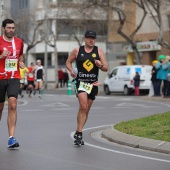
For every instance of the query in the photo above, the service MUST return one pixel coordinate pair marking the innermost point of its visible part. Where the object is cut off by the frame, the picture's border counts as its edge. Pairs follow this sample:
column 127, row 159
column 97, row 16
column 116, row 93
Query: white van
column 121, row 79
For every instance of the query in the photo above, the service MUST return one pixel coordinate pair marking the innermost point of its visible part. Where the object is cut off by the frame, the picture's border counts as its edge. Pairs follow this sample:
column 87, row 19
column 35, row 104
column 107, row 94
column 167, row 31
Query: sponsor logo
column 88, row 65
column 93, row 55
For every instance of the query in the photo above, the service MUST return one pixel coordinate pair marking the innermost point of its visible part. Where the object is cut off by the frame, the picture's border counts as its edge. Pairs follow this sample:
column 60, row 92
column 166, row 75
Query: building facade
column 147, row 35
column 60, row 21
column 65, row 22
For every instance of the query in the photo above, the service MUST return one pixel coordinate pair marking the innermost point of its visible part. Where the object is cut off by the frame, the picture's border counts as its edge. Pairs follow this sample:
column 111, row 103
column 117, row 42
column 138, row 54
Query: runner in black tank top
column 89, row 59
column 87, row 70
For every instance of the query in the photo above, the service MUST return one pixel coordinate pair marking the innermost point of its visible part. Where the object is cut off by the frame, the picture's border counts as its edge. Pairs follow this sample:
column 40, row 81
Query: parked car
column 121, row 79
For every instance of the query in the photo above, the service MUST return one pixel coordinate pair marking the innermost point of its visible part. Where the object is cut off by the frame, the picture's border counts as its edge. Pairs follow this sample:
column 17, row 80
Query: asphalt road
column 45, row 126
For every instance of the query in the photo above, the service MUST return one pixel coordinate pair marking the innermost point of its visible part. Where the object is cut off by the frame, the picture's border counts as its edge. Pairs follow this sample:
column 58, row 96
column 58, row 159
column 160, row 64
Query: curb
column 116, row 136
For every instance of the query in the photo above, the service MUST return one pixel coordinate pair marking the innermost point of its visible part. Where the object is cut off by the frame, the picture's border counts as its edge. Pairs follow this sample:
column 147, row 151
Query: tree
column 154, row 7
column 124, row 17
column 24, row 24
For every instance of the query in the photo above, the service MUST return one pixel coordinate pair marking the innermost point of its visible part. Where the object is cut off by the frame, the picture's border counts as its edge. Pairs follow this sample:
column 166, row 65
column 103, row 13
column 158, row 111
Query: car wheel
column 106, row 90
column 126, row 90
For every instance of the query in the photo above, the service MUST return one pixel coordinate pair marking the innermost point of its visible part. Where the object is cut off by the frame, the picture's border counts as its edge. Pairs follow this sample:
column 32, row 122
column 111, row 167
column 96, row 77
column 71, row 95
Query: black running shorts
column 93, row 93
column 31, row 83
column 10, row 87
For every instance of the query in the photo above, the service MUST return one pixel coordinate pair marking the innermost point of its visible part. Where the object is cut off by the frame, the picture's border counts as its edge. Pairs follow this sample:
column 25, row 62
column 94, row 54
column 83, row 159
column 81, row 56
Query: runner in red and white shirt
column 30, row 79
column 11, row 59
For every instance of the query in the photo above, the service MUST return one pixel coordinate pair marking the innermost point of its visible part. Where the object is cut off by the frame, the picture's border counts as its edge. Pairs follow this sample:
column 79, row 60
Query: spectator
column 154, row 80
column 137, row 83
column 161, row 74
column 60, row 77
column 66, row 78
column 166, row 67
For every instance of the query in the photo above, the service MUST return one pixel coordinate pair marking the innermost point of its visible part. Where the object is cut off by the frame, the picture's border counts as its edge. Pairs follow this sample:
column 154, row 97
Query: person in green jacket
column 162, row 74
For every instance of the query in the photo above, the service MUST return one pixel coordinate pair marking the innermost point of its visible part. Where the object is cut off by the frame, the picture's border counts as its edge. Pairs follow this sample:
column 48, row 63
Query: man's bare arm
column 70, row 60
column 102, row 63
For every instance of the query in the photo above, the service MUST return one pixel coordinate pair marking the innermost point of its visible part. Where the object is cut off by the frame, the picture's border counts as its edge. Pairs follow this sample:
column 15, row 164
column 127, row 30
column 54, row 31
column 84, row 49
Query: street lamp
column 1, row 12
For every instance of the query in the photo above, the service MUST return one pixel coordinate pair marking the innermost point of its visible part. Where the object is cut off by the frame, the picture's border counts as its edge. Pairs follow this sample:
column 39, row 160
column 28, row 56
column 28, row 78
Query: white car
column 121, row 79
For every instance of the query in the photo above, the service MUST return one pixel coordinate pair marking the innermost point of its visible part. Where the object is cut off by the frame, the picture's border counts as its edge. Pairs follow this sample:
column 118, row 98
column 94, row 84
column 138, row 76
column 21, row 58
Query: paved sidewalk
column 138, row 142
column 113, row 135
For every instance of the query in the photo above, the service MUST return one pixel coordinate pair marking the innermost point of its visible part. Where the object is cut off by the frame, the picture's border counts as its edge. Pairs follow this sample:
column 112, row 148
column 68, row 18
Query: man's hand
column 4, row 54
column 73, row 74
column 22, row 65
column 98, row 63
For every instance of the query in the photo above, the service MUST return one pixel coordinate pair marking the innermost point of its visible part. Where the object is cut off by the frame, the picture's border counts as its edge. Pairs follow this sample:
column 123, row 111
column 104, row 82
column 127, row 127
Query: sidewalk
column 113, row 135
column 116, row 136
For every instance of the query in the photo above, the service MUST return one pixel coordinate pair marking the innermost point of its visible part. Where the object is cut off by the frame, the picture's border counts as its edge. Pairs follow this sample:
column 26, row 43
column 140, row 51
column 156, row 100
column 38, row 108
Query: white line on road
column 115, row 151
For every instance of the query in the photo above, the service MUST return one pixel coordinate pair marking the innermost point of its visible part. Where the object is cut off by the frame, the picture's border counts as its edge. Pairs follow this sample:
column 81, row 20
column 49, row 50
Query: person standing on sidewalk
column 137, row 83
column 66, row 78
column 89, row 59
column 11, row 59
column 154, row 80
column 162, row 74
column 60, row 77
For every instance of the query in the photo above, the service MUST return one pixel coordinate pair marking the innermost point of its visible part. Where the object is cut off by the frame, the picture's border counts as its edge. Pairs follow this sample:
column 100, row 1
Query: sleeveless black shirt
column 87, row 70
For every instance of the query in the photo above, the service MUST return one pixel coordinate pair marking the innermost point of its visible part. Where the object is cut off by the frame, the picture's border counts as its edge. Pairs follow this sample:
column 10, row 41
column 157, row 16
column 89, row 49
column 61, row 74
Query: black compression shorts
column 10, row 87
column 93, row 93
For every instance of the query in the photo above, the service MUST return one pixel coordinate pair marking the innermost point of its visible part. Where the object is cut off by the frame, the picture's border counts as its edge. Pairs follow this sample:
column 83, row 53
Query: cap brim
column 90, row 36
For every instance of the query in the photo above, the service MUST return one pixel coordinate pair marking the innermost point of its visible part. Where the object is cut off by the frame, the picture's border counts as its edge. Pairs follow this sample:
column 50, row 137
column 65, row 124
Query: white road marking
column 58, row 104
column 62, row 109
column 133, row 105
column 23, row 103
column 33, row 110
column 115, row 151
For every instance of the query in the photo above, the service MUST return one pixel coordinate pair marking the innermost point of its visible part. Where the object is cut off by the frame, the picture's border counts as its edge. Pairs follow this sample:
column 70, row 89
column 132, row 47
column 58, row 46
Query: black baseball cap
column 90, row 34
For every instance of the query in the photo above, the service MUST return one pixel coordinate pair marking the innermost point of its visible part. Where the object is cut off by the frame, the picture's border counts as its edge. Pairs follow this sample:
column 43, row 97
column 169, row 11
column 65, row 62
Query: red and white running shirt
column 30, row 75
column 9, row 66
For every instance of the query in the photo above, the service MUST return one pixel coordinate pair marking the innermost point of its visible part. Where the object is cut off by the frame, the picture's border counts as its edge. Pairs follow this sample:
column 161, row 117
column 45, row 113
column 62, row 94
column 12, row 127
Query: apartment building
column 62, row 18
column 147, row 35
column 68, row 23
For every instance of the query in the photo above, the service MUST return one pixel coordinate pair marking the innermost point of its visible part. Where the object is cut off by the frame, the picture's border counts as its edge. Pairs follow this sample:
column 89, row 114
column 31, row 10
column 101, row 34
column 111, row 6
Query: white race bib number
column 87, row 87
column 11, row 64
column 30, row 75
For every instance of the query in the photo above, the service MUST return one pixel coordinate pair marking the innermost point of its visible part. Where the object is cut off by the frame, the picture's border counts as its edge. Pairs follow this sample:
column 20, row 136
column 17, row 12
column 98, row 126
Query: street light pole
column 1, row 12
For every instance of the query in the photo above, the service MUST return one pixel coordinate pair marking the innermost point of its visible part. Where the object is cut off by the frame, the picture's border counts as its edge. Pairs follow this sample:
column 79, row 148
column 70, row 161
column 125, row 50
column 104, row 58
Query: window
column 114, row 72
column 62, row 57
column 23, row 4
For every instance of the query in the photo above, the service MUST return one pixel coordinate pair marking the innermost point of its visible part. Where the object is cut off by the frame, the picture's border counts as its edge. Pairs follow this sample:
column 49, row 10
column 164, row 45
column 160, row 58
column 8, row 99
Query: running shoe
column 12, row 143
column 78, row 139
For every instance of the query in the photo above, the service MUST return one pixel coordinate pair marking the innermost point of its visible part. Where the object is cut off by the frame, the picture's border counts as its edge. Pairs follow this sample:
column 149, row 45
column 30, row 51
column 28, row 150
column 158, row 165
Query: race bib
column 30, row 75
column 87, row 87
column 11, row 64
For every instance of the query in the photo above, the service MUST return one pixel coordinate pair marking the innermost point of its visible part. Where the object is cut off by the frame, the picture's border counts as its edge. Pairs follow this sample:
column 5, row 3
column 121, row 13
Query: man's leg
column 82, row 113
column 36, row 87
column 12, row 93
column 82, row 116
column 40, row 88
column 1, row 109
column 12, row 115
